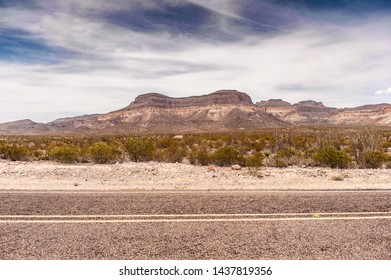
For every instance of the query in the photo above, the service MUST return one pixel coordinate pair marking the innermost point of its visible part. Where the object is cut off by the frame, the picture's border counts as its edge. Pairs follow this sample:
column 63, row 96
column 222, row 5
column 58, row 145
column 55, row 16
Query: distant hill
column 223, row 110
column 312, row 112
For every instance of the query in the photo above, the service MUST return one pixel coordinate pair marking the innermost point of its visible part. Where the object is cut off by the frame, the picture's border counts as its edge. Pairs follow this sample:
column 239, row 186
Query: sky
column 62, row 58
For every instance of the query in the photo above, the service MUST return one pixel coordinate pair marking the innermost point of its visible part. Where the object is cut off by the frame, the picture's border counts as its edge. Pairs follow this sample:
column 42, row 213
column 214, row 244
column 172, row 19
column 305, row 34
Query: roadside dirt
column 176, row 176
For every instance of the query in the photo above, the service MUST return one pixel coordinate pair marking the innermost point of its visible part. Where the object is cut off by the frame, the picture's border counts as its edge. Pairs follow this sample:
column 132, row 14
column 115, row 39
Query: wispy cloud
column 89, row 64
column 386, row 91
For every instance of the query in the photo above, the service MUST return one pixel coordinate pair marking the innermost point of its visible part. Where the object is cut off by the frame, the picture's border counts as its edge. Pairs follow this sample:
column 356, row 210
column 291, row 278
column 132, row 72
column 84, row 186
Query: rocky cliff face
column 273, row 103
column 312, row 112
column 368, row 115
column 220, row 111
column 304, row 112
column 221, row 97
column 309, row 104
column 223, row 110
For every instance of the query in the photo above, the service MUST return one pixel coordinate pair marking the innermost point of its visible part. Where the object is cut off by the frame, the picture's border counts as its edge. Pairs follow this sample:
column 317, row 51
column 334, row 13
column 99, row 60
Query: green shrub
column 64, row 154
column 139, row 149
column 337, row 178
column 39, row 154
column 2, row 149
column 174, row 153
column 285, row 157
column 330, row 156
column 255, row 160
column 373, row 158
column 200, row 156
column 165, row 142
column 101, row 153
column 16, row 153
column 286, row 152
column 84, row 154
column 226, row 156
column 204, row 157
column 170, row 149
column 280, row 163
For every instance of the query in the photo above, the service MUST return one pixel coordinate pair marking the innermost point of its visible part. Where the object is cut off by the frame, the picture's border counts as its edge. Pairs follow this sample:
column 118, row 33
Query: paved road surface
column 196, row 225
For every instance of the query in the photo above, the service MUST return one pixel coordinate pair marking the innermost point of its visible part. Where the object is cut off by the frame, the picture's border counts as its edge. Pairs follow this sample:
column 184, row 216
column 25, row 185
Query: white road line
column 195, row 220
column 130, row 191
column 196, row 215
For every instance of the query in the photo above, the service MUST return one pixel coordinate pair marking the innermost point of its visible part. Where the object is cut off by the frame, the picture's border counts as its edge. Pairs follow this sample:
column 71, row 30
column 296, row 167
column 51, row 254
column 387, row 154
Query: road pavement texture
column 196, row 225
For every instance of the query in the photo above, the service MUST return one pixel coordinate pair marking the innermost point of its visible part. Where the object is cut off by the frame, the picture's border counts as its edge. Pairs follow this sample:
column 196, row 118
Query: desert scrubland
column 284, row 158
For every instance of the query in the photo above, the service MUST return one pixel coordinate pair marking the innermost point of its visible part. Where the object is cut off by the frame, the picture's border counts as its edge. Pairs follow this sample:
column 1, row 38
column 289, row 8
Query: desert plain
column 46, row 175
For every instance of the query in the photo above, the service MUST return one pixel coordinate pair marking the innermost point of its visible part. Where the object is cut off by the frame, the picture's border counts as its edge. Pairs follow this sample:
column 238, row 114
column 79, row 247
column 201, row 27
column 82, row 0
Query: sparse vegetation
column 64, row 154
column 16, row 153
column 255, row 160
column 310, row 146
column 101, row 153
column 331, row 157
column 337, row 178
column 139, row 149
column 374, row 158
column 226, row 156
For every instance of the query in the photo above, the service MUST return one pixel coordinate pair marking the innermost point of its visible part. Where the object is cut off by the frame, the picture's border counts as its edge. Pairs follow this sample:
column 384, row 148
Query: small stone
column 211, row 168
column 236, row 167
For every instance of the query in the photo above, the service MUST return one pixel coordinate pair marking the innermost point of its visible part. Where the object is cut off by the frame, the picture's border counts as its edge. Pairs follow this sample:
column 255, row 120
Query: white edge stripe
column 197, row 220
column 195, row 215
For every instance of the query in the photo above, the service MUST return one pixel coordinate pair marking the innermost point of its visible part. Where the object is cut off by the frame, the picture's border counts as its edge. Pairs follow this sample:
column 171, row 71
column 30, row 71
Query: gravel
column 179, row 176
column 192, row 202
column 217, row 240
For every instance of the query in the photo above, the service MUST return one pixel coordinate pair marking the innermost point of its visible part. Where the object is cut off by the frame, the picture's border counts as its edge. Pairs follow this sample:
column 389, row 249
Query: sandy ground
column 175, row 176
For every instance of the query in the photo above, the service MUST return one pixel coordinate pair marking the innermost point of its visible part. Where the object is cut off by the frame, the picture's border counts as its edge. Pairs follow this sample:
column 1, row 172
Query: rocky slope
column 312, row 112
column 220, row 111
column 23, row 126
column 221, row 97
column 367, row 115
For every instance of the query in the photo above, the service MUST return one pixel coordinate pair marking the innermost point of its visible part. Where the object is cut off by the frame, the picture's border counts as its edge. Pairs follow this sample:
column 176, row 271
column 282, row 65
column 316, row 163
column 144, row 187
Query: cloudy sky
column 68, row 57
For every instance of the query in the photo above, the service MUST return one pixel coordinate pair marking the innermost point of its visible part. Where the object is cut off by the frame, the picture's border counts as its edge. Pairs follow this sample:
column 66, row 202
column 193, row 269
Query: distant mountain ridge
column 223, row 110
column 221, row 97
column 312, row 112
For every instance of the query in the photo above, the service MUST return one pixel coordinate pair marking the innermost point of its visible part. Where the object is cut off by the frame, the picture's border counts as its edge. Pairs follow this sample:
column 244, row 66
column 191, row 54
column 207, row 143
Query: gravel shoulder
column 178, row 176
column 283, row 240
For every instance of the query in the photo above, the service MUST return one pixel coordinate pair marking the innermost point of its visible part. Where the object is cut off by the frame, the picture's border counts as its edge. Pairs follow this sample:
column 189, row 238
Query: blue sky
column 67, row 57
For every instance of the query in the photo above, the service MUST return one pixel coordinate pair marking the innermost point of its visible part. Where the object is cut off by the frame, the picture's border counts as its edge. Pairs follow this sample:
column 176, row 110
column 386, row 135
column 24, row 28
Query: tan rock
column 211, row 168
column 236, row 167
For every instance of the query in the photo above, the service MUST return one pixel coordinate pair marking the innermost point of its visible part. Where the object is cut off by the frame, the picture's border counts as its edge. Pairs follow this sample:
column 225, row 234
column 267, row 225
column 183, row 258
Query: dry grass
column 280, row 147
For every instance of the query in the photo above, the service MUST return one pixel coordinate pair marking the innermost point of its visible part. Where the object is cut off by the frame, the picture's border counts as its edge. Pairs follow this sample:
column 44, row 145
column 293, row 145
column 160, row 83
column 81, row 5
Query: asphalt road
column 196, row 225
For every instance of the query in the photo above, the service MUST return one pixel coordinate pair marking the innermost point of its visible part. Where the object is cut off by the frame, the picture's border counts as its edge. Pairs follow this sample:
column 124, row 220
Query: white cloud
column 386, row 91
column 114, row 65
column 94, row 6
column 229, row 8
